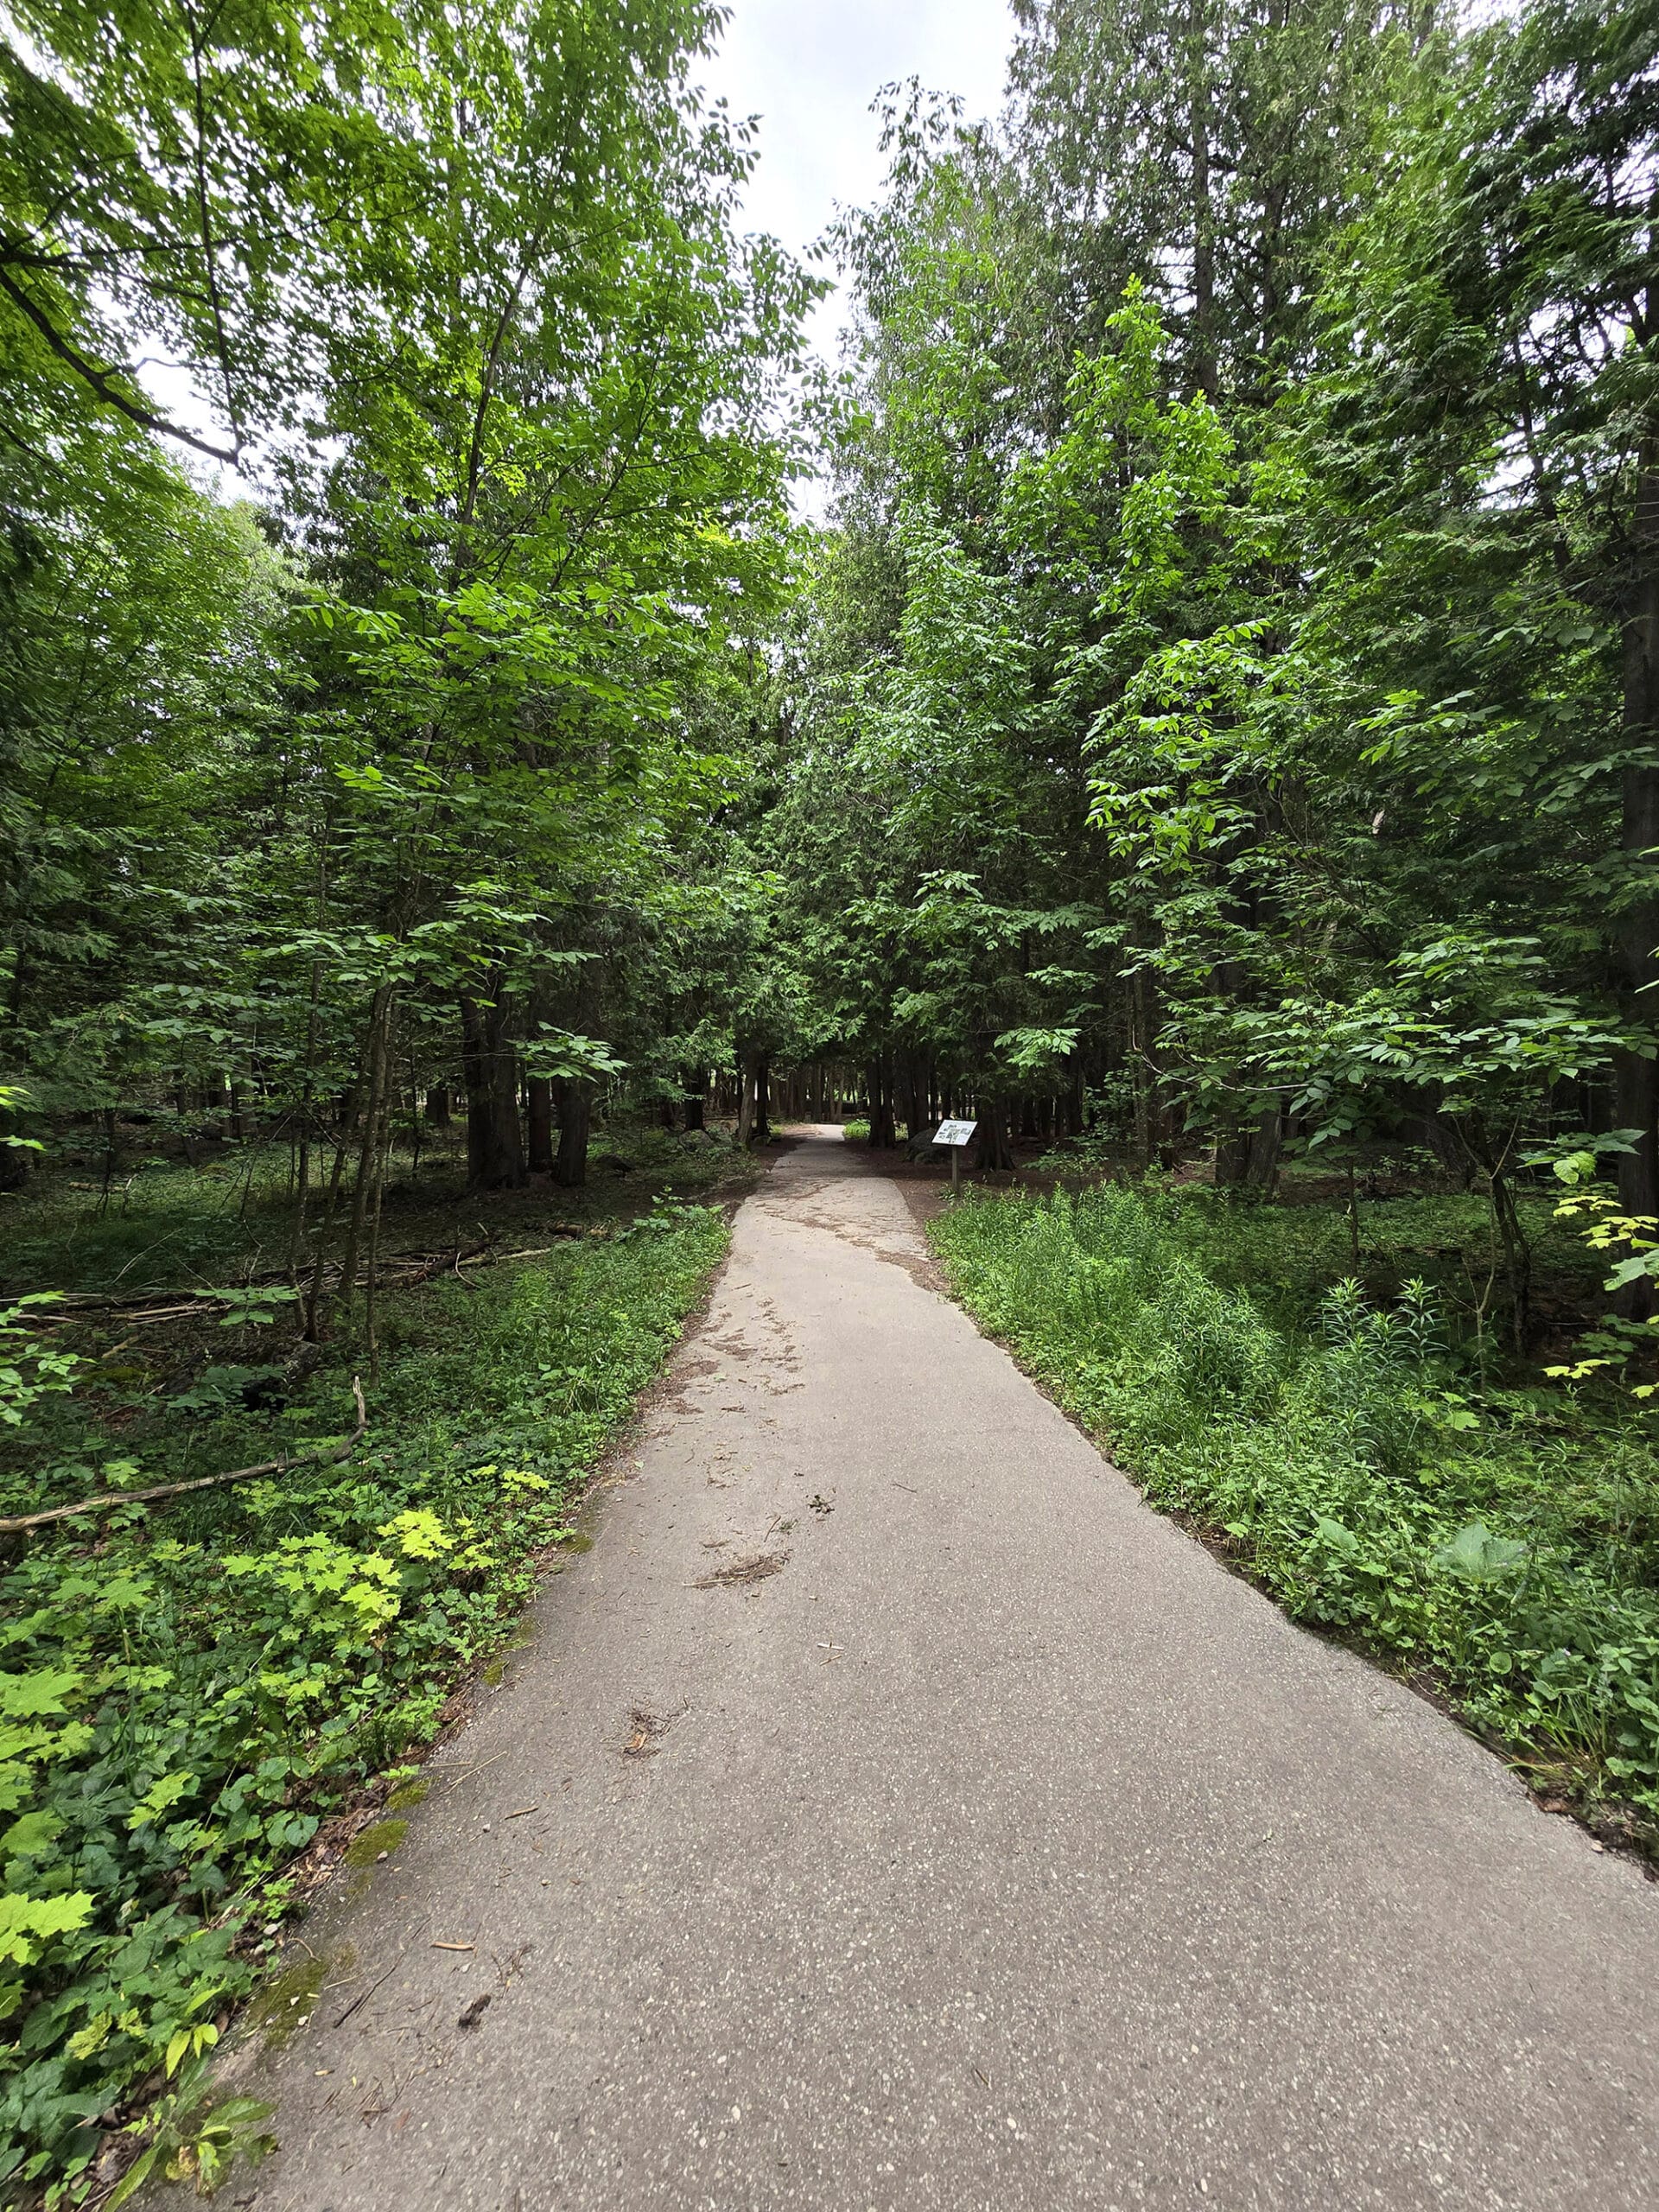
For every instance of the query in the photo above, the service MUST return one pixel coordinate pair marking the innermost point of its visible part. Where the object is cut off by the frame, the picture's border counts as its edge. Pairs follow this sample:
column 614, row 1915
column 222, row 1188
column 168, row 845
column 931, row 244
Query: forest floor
column 891, row 1808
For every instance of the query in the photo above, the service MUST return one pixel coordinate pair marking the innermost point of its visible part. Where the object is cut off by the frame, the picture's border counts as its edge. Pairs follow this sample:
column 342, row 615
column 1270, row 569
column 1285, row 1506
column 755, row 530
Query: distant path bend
column 985, row 1847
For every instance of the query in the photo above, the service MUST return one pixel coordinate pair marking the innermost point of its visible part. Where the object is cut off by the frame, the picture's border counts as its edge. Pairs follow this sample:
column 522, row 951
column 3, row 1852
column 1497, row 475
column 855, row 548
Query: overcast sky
column 810, row 68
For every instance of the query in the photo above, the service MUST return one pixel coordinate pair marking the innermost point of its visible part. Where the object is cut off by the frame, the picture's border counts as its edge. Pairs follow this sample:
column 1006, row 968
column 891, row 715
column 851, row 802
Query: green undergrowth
column 190, row 1689
column 1500, row 1543
column 161, row 1224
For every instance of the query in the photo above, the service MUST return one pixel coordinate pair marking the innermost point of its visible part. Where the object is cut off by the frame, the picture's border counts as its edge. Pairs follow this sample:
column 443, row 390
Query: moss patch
column 286, row 2004
column 365, row 1847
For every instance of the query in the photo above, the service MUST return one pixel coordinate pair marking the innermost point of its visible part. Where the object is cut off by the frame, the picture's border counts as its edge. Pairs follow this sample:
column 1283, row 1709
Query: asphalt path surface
column 891, row 1813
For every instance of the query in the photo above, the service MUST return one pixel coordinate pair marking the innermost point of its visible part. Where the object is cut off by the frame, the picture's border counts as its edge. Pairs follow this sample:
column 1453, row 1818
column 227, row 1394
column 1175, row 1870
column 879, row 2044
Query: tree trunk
column 376, row 1055
column 1250, row 1157
column 763, row 1103
column 882, row 1133
column 576, row 1118
column 1232, row 1158
column 915, row 1103
column 1636, row 1075
column 495, row 1152
column 1267, row 1147
column 538, row 1116
column 437, row 1106
column 747, row 1064
column 1517, row 1258
column 990, row 1139
column 697, row 1089
column 1203, row 222
column 1144, row 1052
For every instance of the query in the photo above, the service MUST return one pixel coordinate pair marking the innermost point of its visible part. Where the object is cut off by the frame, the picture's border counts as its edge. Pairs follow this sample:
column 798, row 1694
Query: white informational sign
column 955, row 1133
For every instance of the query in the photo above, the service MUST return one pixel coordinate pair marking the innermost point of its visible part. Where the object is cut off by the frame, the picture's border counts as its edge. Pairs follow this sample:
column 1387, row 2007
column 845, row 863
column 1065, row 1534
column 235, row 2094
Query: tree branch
column 101, row 380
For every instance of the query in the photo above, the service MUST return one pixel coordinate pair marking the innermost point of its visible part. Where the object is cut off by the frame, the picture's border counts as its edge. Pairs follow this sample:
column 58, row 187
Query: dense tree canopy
column 405, row 749
column 1221, row 707
column 1242, row 619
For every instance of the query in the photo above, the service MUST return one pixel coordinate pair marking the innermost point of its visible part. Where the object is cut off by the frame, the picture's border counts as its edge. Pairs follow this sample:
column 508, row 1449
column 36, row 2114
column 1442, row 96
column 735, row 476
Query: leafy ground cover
column 1497, row 1541
column 190, row 1690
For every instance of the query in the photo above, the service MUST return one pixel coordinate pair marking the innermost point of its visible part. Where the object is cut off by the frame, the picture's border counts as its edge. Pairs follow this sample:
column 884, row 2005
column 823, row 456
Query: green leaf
column 24, row 1919
column 30, row 1836
column 1478, row 1556
column 46, row 1690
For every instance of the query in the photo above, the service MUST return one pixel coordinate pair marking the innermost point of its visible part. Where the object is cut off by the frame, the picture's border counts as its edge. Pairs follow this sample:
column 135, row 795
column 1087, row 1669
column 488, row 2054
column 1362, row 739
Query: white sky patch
column 810, row 68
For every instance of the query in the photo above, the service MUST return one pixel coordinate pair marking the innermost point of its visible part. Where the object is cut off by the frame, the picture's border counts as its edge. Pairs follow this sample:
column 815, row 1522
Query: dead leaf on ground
column 645, row 1727
column 744, row 1571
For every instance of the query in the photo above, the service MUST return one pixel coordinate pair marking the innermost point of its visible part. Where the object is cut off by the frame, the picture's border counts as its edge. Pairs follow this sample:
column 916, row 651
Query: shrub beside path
column 892, row 1811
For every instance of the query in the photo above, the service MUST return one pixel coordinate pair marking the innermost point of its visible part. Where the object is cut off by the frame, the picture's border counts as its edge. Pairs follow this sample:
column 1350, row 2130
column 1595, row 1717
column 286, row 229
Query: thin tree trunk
column 1636, row 1075
column 303, row 1167
column 747, row 1065
column 350, row 1101
column 1203, row 232
column 763, row 1103
column 881, row 1131
column 414, row 1122
column 370, row 1289
column 368, row 1162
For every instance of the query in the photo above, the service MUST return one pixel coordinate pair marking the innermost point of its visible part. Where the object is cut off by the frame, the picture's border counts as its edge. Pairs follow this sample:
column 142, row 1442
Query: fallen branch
column 25, row 1521
column 404, row 1271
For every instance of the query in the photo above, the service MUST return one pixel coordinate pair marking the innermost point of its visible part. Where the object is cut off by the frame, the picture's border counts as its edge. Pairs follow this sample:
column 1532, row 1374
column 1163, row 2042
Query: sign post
column 955, row 1134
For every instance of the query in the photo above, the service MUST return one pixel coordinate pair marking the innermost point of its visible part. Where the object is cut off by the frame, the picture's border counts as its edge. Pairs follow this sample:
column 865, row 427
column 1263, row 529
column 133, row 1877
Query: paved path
column 999, row 1853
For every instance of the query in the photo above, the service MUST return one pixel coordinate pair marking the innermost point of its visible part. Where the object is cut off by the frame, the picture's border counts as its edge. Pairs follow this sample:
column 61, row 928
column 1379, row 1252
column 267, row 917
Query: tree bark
column 495, row 1153
column 990, row 1139
column 376, row 1058
column 1232, row 1158
column 539, row 1117
column 881, row 1131
column 575, row 1121
column 1249, row 1159
column 748, row 1064
column 763, row 1103
column 1203, row 222
column 1637, row 1073
column 1267, row 1149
